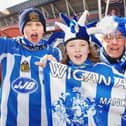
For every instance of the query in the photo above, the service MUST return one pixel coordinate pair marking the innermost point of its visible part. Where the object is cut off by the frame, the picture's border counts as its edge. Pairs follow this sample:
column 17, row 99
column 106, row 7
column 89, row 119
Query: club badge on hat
column 34, row 17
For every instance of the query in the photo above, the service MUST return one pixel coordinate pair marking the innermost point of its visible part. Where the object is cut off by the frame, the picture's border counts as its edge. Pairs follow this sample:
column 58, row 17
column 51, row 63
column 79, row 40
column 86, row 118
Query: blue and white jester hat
column 121, row 24
column 109, row 24
column 56, row 38
column 74, row 29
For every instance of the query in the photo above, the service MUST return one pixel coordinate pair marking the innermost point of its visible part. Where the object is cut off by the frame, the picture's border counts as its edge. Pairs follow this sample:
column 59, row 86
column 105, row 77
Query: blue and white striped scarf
column 91, row 97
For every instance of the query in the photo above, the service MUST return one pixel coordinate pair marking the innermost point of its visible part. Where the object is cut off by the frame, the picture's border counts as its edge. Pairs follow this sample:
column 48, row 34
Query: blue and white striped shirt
column 23, row 97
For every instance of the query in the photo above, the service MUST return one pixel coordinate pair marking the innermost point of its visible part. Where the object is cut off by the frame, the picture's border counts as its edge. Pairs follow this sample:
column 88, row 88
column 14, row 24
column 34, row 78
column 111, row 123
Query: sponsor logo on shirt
column 24, row 85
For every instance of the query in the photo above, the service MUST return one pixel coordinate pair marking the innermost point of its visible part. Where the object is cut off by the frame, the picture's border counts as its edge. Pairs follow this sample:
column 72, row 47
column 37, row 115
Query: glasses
column 113, row 37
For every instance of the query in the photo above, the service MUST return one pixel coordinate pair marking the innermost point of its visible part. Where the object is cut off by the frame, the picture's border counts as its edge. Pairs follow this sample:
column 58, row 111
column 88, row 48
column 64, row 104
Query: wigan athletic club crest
column 25, row 66
column 33, row 16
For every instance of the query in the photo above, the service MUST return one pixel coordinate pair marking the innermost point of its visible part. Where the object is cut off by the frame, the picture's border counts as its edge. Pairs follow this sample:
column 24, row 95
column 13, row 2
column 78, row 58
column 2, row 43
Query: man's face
column 114, row 44
column 33, row 31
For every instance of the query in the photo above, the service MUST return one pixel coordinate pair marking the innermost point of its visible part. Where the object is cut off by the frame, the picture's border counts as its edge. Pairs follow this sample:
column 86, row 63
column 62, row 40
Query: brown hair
column 93, row 55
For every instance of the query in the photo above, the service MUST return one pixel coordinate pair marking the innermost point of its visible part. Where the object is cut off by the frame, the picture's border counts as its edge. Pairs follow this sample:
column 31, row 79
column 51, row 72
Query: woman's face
column 77, row 50
column 33, row 31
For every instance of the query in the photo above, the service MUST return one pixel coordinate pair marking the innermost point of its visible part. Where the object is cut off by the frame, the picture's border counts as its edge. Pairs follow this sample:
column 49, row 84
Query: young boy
column 23, row 101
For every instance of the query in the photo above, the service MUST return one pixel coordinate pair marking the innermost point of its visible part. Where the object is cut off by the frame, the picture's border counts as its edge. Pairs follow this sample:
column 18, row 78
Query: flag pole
column 99, row 10
column 107, row 6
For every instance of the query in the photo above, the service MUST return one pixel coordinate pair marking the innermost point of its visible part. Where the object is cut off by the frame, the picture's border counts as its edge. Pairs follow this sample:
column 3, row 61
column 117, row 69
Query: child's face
column 33, row 31
column 77, row 50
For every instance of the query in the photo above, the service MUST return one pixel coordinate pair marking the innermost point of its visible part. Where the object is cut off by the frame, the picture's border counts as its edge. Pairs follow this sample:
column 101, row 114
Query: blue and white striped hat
column 74, row 29
column 109, row 24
